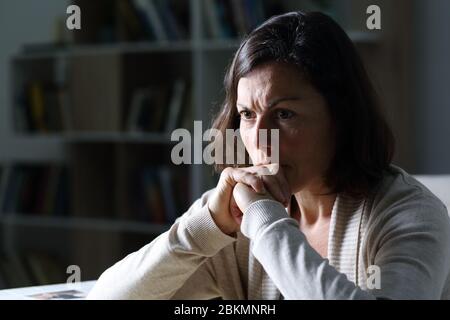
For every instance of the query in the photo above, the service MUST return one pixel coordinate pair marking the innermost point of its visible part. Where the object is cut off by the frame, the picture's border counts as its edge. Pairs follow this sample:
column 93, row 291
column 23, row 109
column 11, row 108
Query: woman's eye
column 246, row 114
column 284, row 114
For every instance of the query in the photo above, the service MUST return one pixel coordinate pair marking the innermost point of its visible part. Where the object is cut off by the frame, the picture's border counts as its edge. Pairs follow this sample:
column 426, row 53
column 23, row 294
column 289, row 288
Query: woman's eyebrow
column 243, row 106
column 273, row 102
column 278, row 100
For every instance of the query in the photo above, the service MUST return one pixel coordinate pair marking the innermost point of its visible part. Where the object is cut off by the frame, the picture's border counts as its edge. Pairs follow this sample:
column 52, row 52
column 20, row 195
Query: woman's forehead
column 270, row 82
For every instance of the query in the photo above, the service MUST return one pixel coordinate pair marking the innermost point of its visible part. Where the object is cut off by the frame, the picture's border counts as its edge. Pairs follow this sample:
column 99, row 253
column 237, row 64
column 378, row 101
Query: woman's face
column 277, row 96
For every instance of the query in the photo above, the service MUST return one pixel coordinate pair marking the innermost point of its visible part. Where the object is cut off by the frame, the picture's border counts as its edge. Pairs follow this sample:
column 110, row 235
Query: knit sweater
column 392, row 244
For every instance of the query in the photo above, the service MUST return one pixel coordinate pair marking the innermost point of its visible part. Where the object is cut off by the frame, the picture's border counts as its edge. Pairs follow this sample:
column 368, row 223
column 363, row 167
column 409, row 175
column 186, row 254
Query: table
column 62, row 291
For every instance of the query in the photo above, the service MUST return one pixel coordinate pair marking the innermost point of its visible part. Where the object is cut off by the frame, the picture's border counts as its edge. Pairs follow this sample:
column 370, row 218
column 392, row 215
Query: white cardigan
column 401, row 228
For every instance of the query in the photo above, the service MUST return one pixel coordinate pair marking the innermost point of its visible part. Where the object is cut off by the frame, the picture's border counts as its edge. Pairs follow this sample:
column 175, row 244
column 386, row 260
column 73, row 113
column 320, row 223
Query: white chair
column 439, row 185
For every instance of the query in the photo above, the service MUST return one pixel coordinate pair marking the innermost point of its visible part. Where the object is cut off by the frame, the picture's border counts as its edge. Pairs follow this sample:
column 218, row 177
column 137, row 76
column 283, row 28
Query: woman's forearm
column 160, row 268
column 297, row 270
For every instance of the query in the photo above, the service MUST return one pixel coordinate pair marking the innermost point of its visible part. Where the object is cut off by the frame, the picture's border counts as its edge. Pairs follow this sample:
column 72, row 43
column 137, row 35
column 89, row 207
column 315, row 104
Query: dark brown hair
column 322, row 51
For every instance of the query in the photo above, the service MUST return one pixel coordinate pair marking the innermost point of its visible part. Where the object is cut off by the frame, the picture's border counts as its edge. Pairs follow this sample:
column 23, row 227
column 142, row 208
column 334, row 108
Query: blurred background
column 86, row 115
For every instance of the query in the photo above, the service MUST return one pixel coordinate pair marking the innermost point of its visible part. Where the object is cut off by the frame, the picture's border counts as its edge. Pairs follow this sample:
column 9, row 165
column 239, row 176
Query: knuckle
column 227, row 171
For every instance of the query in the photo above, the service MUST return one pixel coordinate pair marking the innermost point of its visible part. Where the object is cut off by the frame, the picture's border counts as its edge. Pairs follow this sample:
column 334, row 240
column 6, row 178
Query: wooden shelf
column 40, row 138
column 82, row 223
column 166, row 46
column 105, row 49
column 365, row 36
column 97, row 137
column 141, row 137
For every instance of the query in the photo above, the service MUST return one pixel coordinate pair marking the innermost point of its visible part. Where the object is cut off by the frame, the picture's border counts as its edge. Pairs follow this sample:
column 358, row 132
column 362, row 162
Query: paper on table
column 63, row 291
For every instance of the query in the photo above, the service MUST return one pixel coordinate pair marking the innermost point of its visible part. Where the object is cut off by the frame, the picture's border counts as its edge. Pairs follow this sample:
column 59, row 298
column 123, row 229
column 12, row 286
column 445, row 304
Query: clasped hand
column 240, row 187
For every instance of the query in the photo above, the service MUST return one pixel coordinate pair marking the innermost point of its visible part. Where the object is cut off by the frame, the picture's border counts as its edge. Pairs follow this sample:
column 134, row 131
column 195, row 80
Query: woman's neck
column 310, row 207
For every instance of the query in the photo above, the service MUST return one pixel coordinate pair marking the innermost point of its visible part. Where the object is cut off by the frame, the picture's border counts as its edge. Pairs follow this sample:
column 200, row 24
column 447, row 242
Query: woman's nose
column 263, row 135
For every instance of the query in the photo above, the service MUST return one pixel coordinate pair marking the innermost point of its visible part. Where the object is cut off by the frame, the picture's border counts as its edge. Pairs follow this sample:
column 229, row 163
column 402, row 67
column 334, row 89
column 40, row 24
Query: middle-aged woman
column 336, row 221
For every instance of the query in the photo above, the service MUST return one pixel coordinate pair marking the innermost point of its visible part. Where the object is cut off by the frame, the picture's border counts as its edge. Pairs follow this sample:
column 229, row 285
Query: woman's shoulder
column 401, row 196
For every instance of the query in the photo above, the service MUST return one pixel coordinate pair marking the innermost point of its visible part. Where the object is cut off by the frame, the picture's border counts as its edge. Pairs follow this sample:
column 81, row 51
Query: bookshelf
column 85, row 96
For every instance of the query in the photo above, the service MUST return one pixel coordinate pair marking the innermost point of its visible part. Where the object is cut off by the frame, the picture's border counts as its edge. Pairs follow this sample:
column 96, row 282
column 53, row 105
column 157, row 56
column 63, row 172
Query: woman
column 336, row 221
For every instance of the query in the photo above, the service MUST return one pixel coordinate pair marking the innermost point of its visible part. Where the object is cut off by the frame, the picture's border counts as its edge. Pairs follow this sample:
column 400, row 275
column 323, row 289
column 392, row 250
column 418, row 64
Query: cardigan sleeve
column 160, row 269
column 413, row 259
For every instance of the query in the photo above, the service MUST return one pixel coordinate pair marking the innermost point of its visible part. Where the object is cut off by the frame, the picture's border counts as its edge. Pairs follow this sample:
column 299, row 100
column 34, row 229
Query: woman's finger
column 251, row 180
column 273, row 185
column 236, row 175
column 277, row 172
column 276, row 184
column 263, row 170
column 283, row 183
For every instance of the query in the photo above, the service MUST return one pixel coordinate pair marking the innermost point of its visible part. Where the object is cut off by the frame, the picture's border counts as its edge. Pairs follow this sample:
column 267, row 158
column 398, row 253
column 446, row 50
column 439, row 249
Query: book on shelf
column 240, row 19
column 178, row 98
column 155, row 194
column 146, row 202
column 108, row 22
column 187, row 113
column 11, row 191
column 35, row 190
column 13, row 270
column 4, row 173
column 161, row 20
column 36, row 99
column 212, row 19
column 132, row 28
column 30, row 268
column 171, row 207
column 149, row 109
column 169, row 20
column 148, row 11
column 225, row 15
column 158, row 108
column 44, row 268
column 41, row 108
column 153, row 199
column 139, row 102
column 3, row 280
column 228, row 19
